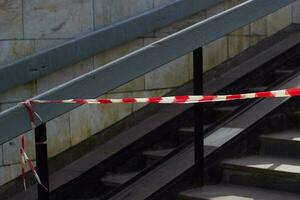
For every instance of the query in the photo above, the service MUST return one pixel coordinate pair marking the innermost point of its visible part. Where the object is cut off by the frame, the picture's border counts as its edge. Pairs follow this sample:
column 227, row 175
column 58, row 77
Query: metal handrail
column 14, row 121
column 47, row 61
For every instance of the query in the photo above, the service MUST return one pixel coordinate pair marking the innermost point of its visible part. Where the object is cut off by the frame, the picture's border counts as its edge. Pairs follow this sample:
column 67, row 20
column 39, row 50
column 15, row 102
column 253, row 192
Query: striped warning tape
column 182, row 99
column 159, row 100
column 24, row 159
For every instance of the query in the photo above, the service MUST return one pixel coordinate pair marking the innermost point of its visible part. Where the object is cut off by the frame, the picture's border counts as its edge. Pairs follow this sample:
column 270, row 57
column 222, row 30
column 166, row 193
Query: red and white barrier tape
column 182, row 99
column 24, row 158
column 159, row 100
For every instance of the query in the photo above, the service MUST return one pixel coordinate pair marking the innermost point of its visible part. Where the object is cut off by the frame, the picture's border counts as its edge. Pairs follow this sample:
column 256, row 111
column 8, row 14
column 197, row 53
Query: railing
column 40, row 64
column 15, row 121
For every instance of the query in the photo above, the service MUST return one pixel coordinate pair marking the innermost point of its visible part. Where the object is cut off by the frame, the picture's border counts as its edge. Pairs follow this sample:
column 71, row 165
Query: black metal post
column 42, row 161
column 198, row 115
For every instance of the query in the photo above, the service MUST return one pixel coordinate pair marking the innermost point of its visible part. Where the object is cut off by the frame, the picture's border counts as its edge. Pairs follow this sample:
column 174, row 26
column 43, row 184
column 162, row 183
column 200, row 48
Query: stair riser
column 184, row 137
column 149, row 162
column 110, row 186
column 280, row 147
column 213, row 115
column 262, row 178
column 181, row 197
column 219, row 114
column 210, row 117
column 278, row 122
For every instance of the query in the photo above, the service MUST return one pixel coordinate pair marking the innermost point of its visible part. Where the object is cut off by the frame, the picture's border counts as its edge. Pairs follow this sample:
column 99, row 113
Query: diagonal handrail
column 14, row 121
column 47, row 61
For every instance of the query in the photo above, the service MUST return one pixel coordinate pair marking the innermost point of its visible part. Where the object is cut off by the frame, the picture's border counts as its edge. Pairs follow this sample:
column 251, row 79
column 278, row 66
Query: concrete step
column 297, row 113
column 284, row 71
column 273, row 172
column 190, row 129
column 157, row 154
column 235, row 192
column 285, row 143
column 226, row 109
column 116, row 180
column 257, row 89
column 187, row 133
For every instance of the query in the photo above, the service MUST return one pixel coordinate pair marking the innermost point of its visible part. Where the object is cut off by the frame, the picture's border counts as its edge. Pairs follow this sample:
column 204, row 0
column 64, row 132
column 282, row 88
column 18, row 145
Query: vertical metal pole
column 198, row 115
column 42, row 160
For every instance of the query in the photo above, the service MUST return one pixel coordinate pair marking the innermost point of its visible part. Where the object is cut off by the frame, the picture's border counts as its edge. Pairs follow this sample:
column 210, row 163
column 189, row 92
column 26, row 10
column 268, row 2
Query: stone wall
column 28, row 26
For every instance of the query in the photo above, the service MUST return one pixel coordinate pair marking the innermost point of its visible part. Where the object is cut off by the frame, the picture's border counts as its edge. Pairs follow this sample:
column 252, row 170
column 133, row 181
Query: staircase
column 258, row 175
column 150, row 154
column 167, row 145
column 272, row 174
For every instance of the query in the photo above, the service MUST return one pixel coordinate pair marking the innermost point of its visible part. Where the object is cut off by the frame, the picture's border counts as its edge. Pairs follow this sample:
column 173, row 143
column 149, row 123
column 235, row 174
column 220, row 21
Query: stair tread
column 284, row 71
column 187, row 129
column 226, row 108
column 191, row 128
column 257, row 89
column 157, row 153
column 290, row 135
column 118, row 179
column 236, row 192
column 270, row 163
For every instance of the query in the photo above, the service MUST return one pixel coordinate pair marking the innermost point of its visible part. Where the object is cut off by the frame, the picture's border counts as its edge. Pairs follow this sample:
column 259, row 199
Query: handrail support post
column 42, row 161
column 198, row 116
